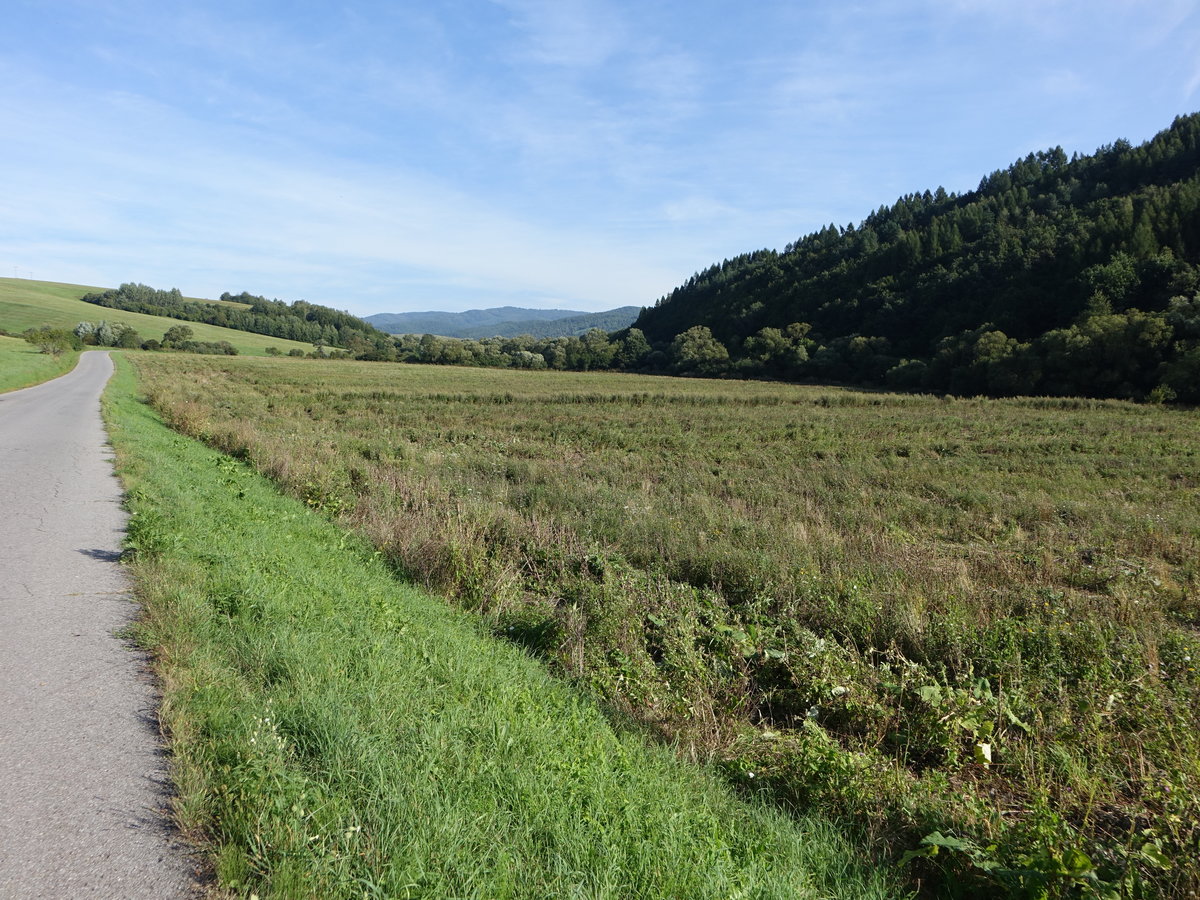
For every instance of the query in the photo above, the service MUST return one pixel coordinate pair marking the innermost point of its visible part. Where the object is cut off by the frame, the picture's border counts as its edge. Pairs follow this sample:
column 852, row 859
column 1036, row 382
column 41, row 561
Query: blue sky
column 584, row 154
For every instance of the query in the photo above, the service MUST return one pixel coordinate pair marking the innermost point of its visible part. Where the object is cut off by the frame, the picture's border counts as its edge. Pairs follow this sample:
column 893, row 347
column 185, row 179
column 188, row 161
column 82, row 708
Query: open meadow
column 969, row 626
column 31, row 304
column 336, row 734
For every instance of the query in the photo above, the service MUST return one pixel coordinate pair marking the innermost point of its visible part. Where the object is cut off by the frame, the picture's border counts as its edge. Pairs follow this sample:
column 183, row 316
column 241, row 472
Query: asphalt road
column 83, row 778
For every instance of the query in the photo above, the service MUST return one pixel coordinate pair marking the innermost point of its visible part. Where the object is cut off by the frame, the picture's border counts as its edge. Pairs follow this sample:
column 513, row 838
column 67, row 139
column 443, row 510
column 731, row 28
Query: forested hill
column 298, row 321
column 1057, row 275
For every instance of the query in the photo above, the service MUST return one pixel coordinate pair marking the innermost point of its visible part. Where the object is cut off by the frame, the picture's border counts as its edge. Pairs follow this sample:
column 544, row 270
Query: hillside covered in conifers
column 1055, row 276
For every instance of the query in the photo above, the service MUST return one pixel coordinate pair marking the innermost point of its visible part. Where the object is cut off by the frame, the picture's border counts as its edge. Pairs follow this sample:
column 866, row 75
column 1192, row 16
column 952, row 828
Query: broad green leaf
column 983, row 754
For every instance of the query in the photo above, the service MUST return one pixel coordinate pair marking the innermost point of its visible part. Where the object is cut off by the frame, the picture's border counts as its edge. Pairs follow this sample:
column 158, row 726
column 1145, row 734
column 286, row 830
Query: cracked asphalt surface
column 83, row 777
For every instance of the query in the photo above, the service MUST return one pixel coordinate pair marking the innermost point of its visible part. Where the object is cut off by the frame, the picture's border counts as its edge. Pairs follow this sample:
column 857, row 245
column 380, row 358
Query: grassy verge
column 336, row 734
column 967, row 620
column 22, row 364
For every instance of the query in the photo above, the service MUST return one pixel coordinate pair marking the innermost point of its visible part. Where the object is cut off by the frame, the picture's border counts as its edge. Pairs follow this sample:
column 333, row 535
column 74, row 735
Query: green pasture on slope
column 22, row 364
column 31, row 304
column 338, row 734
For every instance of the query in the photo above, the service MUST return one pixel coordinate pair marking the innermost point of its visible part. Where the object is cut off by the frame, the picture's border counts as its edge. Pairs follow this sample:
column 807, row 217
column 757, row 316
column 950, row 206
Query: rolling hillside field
column 31, row 304
column 968, row 626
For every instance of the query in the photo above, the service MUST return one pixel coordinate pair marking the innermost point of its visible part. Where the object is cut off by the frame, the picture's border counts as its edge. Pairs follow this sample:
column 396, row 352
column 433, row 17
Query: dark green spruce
column 1056, row 276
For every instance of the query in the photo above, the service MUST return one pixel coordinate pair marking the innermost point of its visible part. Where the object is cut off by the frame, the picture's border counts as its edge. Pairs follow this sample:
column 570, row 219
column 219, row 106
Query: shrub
column 177, row 336
column 215, row 348
column 54, row 341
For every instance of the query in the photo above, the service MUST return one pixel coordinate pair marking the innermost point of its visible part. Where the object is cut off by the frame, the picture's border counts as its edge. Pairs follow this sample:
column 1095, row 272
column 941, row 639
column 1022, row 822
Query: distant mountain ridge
column 571, row 326
column 448, row 324
column 504, row 321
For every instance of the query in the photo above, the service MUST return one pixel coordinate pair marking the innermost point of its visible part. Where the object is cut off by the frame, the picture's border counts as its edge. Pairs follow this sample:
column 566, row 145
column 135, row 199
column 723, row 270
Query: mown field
column 32, row 304
column 22, row 364
column 968, row 626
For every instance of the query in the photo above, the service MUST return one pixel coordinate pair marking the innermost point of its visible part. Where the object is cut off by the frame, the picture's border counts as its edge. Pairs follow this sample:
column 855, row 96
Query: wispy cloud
column 152, row 190
column 571, row 34
column 1063, row 83
column 696, row 209
column 564, row 152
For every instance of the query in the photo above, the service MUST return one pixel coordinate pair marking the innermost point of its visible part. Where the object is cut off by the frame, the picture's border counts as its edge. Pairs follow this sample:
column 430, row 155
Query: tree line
column 56, row 341
column 298, row 321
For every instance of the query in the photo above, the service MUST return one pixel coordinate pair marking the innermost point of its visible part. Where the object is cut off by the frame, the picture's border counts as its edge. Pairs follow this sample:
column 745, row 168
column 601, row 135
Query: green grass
column 855, row 596
column 31, row 304
column 337, row 734
column 22, row 364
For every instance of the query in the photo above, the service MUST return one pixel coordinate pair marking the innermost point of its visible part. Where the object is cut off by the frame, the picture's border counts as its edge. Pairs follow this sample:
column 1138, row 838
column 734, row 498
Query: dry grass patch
column 974, row 618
